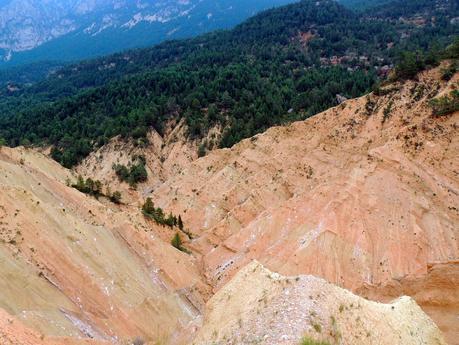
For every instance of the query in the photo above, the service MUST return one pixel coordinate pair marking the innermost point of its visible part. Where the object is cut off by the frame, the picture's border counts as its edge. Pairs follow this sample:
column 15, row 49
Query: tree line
column 246, row 80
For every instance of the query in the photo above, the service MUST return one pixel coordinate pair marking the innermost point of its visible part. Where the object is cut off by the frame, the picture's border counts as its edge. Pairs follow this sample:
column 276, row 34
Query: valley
column 292, row 180
column 283, row 198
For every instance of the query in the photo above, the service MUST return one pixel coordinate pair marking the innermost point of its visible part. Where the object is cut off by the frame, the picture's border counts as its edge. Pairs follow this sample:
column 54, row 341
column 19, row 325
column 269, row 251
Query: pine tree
column 148, row 207
column 177, row 242
column 180, row 223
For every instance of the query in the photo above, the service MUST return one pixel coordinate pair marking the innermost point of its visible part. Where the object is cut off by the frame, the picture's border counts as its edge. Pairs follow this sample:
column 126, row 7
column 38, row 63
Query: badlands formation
column 261, row 307
column 364, row 195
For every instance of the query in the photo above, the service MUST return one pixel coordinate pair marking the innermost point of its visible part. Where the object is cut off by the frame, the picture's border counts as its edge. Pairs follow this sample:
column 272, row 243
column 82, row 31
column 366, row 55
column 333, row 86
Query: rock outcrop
column 261, row 307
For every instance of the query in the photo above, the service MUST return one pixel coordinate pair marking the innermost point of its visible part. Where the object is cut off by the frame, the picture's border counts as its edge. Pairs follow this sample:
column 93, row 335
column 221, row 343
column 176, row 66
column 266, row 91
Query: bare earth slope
column 261, row 307
column 364, row 195
column 74, row 267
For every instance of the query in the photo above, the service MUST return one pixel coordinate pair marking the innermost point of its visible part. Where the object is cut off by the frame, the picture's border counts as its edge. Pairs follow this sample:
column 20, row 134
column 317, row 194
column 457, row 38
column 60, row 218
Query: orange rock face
column 364, row 194
column 437, row 292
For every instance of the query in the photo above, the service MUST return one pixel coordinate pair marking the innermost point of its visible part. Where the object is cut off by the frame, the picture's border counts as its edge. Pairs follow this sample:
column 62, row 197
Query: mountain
column 282, row 65
column 291, row 181
column 68, row 30
column 363, row 195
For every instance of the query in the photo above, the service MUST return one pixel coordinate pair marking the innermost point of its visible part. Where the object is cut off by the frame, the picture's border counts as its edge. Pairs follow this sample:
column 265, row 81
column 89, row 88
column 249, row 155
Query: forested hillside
column 282, row 65
column 362, row 4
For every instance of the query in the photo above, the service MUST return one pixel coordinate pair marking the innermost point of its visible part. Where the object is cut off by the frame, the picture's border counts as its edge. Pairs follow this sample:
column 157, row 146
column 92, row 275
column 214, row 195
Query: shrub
column 94, row 188
column 445, row 105
column 157, row 214
column 176, row 242
column 116, row 197
column 88, row 186
column 133, row 175
column 121, row 171
column 310, row 341
column 148, row 207
column 180, row 223
column 387, row 110
column 317, row 327
column 202, row 150
column 138, row 173
column 448, row 72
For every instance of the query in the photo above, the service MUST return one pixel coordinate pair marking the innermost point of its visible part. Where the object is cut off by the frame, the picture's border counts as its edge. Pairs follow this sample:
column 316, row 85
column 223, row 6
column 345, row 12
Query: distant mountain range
column 68, row 30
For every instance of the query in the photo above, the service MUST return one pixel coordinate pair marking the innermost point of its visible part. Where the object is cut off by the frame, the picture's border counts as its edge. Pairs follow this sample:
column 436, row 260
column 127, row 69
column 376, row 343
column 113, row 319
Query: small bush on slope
column 133, row 175
column 310, row 341
column 445, row 105
column 94, row 188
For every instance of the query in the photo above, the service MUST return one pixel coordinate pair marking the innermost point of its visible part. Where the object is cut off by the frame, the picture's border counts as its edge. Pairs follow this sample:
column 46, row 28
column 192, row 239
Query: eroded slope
column 258, row 306
column 75, row 267
column 363, row 194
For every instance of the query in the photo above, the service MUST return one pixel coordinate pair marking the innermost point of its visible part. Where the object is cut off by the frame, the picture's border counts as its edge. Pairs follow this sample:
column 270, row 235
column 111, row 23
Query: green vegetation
column 157, row 214
column 202, row 150
column 94, row 188
column 180, row 223
column 410, row 63
column 387, row 111
column 133, row 175
column 445, row 105
column 310, row 341
column 260, row 74
column 362, row 4
column 317, row 327
column 88, row 186
column 448, row 72
column 177, row 242
column 29, row 73
column 115, row 197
